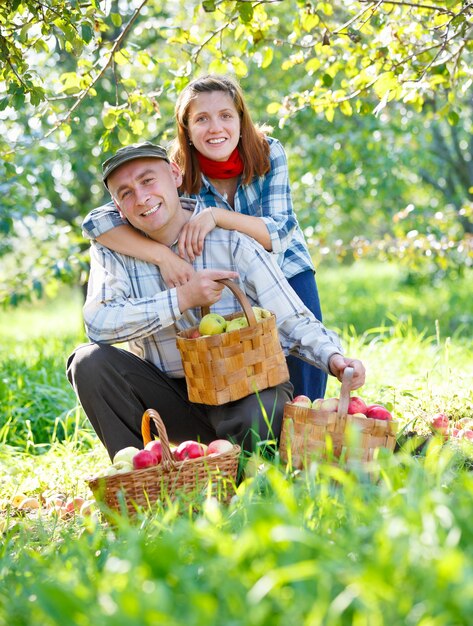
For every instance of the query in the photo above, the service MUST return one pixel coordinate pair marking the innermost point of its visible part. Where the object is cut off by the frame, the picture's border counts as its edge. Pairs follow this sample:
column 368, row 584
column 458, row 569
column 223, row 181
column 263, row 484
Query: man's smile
column 152, row 210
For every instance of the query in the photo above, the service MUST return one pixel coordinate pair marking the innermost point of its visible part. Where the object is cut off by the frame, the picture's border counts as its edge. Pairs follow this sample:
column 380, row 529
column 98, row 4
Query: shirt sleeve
column 101, row 220
column 300, row 332
column 112, row 312
column 276, row 200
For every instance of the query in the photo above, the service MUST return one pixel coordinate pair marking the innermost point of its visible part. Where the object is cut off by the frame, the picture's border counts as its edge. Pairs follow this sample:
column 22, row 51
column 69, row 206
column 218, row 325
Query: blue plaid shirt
column 267, row 196
column 127, row 300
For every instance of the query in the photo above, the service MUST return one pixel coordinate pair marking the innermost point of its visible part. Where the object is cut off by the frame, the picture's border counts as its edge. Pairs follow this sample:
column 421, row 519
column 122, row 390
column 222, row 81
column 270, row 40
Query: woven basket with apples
column 139, row 478
column 335, row 428
column 230, row 357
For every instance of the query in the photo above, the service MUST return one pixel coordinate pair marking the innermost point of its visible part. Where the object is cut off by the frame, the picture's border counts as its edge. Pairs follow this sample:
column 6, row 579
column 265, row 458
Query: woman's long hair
column 253, row 147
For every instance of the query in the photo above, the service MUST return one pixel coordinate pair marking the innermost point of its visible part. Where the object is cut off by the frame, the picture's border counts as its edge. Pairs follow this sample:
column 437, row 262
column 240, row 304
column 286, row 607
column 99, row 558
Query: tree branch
column 83, row 94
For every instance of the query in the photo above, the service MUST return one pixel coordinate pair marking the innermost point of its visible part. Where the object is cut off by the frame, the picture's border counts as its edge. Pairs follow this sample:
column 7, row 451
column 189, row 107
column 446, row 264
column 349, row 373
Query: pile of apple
column 56, row 504
column 131, row 458
column 215, row 324
column 461, row 429
column 356, row 407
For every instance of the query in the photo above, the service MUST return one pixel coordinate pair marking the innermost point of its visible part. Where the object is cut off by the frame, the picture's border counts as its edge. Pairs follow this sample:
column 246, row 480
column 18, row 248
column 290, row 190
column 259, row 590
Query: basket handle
column 242, row 299
column 345, row 391
column 151, row 414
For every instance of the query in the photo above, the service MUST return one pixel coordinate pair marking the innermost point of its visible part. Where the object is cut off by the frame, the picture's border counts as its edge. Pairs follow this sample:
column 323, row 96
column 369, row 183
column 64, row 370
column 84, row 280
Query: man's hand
column 174, row 270
column 202, row 289
column 337, row 365
column 192, row 235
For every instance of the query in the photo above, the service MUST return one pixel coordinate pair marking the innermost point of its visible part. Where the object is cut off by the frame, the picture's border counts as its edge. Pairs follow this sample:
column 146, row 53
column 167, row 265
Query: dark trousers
column 115, row 387
column 307, row 380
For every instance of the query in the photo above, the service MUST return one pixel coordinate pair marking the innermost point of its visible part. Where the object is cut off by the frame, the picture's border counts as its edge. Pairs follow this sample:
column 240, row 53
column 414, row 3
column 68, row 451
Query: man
column 128, row 301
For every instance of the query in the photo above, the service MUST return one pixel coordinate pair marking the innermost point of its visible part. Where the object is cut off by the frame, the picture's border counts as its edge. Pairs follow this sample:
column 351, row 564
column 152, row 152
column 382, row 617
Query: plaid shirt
column 267, row 196
column 127, row 300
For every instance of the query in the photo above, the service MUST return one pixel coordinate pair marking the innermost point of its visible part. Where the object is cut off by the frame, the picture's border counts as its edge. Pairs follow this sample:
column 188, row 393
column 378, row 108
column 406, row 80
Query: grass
column 324, row 547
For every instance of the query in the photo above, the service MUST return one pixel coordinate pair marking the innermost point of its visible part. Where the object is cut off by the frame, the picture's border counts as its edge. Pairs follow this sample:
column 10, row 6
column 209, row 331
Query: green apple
column 125, row 454
column 236, row 323
column 212, row 324
column 260, row 313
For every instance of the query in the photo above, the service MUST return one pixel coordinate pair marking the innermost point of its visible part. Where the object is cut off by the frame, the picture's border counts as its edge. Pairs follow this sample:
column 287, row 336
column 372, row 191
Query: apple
column 125, row 454
column 73, row 505
column 189, row 450
column 317, row 403
column 219, row 446
column 156, row 448
column 356, row 405
column 194, row 334
column 302, row 400
column 465, row 433
column 358, row 415
column 464, row 422
column 123, row 466
column 440, row 423
column 87, row 508
column 143, row 459
column 454, row 432
column 378, row 412
column 236, row 323
column 329, row 404
column 260, row 313
column 212, row 324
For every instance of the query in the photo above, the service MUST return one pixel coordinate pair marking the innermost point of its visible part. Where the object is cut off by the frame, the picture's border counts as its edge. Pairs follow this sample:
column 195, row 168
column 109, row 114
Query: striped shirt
column 267, row 197
column 128, row 301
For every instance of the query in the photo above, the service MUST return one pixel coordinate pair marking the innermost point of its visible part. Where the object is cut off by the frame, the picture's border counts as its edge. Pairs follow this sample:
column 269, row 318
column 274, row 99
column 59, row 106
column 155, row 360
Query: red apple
column 440, row 423
column 356, row 405
column 465, row 433
column 302, row 401
column 454, row 432
column 194, row 334
column 329, row 404
column 73, row 505
column 378, row 412
column 156, row 448
column 189, row 450
column 219, row 446
column 464, row 422
column 144, row 458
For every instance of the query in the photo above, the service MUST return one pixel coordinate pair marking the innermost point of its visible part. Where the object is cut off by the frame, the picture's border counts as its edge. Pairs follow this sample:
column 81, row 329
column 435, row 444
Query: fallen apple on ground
column 440, row 423
column 212, row 324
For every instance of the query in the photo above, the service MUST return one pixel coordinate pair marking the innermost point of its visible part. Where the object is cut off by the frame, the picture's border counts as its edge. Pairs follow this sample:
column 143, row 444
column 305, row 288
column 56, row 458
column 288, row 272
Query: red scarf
column 221, row 169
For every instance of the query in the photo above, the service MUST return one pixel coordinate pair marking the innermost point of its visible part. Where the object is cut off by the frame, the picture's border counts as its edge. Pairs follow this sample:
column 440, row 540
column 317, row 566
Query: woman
column 240, row 175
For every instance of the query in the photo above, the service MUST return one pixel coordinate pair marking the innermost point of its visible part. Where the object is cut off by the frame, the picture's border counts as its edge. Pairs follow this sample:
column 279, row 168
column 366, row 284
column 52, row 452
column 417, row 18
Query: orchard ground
column 322, row 547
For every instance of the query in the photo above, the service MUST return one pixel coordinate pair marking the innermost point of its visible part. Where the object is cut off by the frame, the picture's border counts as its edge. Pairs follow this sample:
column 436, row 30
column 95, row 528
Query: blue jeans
column 307, row 379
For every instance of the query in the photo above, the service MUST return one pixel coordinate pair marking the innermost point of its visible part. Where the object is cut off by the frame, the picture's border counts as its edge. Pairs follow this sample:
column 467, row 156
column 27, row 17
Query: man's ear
column 177, row 174
column 118, row 209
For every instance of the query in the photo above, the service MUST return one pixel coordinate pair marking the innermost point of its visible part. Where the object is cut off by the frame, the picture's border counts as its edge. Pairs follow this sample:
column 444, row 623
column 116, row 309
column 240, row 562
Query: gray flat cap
column 146, row 149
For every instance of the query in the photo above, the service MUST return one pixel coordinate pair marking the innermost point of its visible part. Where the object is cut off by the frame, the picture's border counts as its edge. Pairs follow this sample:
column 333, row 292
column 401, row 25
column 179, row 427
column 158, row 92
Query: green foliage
column 343, row 84
column 327, row 546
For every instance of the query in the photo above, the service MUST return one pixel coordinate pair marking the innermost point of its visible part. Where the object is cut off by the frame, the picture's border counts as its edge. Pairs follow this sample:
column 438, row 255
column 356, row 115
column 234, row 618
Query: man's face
column 145, row 191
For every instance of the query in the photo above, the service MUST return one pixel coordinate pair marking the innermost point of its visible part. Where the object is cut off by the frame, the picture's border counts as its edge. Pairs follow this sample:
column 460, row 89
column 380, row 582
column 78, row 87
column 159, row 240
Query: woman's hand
column 337, row 365
column 191, row 239
column 174, row 270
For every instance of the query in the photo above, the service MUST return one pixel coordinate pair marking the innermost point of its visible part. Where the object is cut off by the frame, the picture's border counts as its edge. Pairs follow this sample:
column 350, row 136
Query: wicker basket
column 141, row 488
column 324, row 434
column 229, row 366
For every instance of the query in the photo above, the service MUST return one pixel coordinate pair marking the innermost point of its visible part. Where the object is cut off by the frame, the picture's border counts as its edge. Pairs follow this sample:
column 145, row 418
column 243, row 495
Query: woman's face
column 214, row 125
